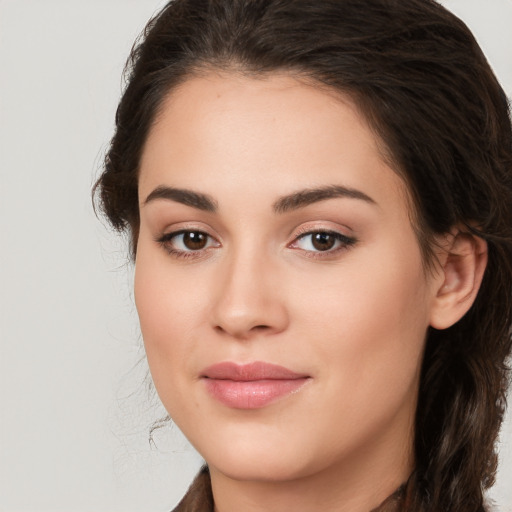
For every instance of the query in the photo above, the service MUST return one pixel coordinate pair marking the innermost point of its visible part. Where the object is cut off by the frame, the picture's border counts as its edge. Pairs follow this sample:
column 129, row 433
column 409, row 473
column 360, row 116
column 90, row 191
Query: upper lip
column 257, row 370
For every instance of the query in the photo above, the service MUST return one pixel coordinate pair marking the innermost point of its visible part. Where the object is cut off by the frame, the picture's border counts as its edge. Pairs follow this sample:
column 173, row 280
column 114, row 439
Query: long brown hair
column 425, row 87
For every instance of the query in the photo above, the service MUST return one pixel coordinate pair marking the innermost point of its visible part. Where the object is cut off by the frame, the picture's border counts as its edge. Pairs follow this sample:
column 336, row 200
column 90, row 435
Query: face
column 279, row 283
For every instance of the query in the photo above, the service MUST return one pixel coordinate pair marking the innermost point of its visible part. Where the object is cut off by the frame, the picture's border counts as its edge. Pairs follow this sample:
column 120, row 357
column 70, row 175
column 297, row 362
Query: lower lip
column 252, row 394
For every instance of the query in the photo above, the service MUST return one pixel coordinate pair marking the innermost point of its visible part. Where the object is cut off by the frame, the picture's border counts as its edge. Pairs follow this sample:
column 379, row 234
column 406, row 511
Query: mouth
column 251, row 386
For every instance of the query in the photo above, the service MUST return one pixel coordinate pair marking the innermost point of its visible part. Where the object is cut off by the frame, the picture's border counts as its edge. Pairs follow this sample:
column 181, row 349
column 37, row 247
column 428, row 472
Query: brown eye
column 329, row 242
column 195, row 240
column 187, row 243
column 323, row 241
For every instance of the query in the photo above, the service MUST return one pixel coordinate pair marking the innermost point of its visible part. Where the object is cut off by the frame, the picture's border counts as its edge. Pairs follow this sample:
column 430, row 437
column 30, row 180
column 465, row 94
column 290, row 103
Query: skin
column 352, row 318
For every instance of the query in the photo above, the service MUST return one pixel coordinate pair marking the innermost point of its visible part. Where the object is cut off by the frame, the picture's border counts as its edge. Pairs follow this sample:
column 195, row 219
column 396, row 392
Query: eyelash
column 166, row 242
column 345, row 243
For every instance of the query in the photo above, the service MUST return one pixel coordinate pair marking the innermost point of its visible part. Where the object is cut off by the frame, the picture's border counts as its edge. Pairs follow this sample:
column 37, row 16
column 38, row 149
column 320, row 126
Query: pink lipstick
column 251, row 386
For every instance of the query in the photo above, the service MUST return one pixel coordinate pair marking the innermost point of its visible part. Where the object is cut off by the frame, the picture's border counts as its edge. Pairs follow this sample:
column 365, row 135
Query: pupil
column 194, row 240
column 323, row 241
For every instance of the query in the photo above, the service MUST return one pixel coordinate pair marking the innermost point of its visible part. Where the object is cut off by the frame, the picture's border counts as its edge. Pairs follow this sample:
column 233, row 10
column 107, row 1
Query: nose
column 249, row 298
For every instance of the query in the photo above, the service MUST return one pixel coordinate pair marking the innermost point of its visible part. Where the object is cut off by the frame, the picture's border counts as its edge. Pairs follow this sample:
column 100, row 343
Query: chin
column 262, row 453
column 273, row 467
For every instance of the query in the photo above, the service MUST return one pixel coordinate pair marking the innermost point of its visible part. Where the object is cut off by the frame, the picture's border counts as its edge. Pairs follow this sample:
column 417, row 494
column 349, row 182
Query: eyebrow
column 303, row 198
column 187, row 197
column 290, row 202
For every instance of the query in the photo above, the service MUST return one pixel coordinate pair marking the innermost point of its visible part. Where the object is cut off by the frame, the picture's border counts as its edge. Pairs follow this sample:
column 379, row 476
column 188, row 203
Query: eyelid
column 183, row 227
column 322, row 227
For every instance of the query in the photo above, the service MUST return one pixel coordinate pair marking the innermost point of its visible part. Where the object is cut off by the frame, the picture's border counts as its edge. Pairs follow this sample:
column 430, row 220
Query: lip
column 251, row 386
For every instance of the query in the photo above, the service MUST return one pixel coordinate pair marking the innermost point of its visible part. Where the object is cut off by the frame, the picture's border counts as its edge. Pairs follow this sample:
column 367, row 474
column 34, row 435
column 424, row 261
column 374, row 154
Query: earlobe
column 462, row 269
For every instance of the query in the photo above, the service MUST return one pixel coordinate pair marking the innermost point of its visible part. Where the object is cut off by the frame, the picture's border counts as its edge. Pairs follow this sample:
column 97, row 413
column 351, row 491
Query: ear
column 462, row 261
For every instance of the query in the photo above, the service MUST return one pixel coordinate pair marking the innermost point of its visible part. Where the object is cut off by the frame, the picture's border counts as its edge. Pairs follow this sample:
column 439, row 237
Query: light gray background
column 73, row 402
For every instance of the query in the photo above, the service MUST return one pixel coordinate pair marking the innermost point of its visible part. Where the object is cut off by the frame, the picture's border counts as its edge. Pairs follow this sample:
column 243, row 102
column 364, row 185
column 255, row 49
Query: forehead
column 265, row 135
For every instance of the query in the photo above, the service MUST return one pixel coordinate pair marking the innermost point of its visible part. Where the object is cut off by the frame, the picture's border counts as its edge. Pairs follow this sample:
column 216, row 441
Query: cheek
column 167, row 309
column 369, row 325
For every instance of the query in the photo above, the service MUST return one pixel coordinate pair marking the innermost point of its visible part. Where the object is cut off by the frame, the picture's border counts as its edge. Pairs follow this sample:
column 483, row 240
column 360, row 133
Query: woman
column 319, row 197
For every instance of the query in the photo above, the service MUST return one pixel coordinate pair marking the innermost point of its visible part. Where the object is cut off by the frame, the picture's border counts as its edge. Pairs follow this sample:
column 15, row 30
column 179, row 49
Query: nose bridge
column 247, row 298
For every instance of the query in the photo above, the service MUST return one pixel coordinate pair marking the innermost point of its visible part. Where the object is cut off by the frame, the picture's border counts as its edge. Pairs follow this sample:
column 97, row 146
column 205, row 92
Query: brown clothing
column 199, row 497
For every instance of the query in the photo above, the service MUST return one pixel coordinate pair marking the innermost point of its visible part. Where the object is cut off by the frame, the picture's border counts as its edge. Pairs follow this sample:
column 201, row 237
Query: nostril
column 242, row 332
